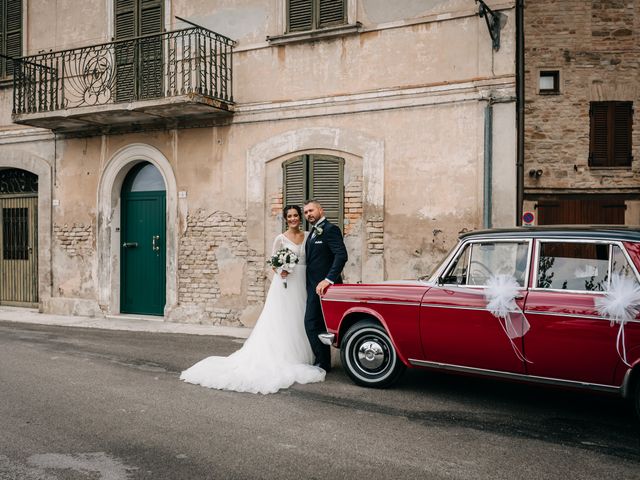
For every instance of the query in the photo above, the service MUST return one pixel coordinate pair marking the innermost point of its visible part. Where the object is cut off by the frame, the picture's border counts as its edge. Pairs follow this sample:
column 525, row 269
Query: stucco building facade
column 386, row 102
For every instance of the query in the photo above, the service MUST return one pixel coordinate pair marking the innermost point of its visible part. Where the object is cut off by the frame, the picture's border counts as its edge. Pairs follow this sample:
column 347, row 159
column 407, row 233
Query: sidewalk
column 135, row 323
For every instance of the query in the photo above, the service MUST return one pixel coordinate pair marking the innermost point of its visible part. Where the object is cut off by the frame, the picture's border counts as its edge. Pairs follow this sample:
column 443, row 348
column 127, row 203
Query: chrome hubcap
column 371, row 355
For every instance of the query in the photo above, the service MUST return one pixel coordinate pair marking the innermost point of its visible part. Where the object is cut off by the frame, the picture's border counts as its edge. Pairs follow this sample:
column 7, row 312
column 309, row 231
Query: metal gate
column 18, row 244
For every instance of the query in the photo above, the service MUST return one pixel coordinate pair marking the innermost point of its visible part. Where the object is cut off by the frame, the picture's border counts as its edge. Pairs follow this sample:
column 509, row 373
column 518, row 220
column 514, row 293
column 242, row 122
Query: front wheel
column 368, row 355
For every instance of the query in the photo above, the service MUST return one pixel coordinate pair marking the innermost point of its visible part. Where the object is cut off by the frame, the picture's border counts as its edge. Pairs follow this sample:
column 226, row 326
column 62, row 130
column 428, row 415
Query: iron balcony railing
column 182, row 62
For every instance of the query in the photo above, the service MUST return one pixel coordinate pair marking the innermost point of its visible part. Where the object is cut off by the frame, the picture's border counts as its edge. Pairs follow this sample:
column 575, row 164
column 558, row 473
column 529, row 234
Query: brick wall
column 593, row 44
column 75, row 240
column 199, row 282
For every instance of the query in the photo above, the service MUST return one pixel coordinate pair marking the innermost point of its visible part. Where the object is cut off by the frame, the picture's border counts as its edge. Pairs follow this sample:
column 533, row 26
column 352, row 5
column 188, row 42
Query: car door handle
column 519, row 296
column 129, row 244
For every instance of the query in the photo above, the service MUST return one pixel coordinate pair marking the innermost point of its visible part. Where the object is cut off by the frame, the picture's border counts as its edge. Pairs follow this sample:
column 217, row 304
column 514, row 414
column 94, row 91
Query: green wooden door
column 143, row 252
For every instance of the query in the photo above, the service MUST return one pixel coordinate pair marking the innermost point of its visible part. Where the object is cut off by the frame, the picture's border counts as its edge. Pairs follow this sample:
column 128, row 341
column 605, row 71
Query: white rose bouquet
column 284, row 260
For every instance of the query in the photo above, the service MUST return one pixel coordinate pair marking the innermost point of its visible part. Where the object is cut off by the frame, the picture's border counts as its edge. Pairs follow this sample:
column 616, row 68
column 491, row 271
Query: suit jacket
column 326, row 255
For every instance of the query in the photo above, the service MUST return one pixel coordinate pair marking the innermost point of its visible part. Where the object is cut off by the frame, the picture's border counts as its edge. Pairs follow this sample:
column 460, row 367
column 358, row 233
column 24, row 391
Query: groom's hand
column 322, row 287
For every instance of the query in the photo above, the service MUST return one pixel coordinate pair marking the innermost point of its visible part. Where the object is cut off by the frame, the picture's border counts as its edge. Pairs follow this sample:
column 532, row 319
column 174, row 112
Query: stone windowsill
column 313, row 35
column 609, row 169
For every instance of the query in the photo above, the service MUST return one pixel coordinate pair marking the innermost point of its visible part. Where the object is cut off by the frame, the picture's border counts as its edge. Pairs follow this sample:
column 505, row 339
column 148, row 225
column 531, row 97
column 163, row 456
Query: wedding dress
column 277, row 353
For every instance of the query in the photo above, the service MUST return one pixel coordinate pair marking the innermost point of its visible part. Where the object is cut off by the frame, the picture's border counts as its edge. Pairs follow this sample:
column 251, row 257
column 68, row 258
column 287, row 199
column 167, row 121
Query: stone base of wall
column 71, row 306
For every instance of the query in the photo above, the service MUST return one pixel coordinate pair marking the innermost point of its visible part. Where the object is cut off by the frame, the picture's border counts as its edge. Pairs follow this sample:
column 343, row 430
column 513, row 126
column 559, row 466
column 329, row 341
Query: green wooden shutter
column 326, row 186
column 599, row 143
column 622, row 119
column 125, row 19
column 139, row 66
column 10, row 33
column 300, row 15
column 151, row 61
column 125, row 27
column 294, row 184
column 332, row 12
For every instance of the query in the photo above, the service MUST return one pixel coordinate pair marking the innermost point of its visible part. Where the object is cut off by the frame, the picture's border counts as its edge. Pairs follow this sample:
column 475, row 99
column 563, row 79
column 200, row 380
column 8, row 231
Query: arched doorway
column 18, row 237
column 143, row 241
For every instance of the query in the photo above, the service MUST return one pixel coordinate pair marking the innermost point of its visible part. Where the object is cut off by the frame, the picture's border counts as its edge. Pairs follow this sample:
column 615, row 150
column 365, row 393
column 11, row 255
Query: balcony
column 166, row 80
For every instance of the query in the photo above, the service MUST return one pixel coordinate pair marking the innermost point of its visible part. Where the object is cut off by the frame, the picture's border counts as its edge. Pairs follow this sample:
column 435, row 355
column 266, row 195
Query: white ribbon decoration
column 501, row 295
column 620, row 304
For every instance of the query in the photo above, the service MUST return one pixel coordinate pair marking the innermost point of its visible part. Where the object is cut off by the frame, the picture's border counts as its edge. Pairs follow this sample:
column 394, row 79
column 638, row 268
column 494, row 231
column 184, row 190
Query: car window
column 498, row 258
column 573, row 266
column 457, row 273
column 477, row 262
column 620, row 264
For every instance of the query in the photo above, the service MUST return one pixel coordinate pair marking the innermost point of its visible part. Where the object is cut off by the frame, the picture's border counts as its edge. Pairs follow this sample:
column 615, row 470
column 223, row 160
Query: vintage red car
column 444, row 322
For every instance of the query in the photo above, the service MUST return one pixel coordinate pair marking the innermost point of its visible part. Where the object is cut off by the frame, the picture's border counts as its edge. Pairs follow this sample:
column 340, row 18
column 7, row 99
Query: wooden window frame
column 555, row 75
column 315, row 22
column 610, row 134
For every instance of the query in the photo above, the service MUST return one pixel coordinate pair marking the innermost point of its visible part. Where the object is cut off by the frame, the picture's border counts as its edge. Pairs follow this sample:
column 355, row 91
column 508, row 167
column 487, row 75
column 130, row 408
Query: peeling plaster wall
column 402, row 102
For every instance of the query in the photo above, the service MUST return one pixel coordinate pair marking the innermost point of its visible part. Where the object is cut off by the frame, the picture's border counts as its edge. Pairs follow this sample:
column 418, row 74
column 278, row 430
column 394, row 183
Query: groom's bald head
column 313, row 211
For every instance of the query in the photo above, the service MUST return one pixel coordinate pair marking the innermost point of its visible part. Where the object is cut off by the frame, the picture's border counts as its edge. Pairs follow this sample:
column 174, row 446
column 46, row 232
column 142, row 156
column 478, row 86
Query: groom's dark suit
column 326, row 257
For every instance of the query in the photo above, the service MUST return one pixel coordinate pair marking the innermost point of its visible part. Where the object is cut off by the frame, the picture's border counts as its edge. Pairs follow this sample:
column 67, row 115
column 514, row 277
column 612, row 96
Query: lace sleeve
column 277, row 244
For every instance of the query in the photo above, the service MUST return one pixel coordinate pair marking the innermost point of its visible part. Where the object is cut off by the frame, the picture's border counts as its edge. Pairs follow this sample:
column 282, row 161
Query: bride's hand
column 284, row 274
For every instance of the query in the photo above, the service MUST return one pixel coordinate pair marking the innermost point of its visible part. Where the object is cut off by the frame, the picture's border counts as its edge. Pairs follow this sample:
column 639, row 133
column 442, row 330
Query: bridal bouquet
column 284, row 260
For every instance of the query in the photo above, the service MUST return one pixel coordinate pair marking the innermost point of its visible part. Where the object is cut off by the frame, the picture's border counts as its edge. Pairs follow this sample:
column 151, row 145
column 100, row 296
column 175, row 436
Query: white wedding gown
column 277, row 353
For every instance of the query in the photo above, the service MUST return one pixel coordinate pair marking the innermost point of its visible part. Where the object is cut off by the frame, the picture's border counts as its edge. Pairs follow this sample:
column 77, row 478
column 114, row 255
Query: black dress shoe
column 324, row 367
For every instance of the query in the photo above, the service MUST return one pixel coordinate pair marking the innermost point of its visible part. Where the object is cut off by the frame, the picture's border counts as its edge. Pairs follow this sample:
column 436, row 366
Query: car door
column 456, row 327
column 568, row 338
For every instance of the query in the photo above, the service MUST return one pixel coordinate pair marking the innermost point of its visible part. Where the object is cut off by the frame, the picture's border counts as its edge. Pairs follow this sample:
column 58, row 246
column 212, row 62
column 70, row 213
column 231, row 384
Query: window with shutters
column 610, row 134
column 303, row 15
column 10, row 34
column 320, row 177
column 139, row 66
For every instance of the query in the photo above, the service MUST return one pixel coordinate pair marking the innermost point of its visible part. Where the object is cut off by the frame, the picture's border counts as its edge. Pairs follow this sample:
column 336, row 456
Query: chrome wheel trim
column 389, row 361
column 371, row 354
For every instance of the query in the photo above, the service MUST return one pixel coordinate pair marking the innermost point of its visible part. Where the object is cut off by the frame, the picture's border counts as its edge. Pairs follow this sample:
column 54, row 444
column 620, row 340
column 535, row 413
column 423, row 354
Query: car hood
column 389, row 291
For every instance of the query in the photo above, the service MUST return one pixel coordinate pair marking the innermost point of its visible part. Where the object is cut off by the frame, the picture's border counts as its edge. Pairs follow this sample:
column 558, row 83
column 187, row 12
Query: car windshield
column 431, row 276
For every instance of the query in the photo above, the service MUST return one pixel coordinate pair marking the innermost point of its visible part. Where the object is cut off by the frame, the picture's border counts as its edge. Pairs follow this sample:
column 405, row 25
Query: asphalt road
column 80, row 404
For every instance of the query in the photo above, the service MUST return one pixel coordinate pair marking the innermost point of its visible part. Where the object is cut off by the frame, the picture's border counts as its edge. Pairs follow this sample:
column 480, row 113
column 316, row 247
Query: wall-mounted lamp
column 495, row 21
column 533, row 173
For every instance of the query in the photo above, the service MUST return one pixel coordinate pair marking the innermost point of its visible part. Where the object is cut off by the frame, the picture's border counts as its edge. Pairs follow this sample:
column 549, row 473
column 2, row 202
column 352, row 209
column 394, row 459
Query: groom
column 326, row 257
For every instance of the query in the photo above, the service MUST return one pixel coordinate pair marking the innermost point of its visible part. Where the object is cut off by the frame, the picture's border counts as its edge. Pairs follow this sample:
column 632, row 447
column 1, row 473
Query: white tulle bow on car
column 501, row 293
column 620, row 304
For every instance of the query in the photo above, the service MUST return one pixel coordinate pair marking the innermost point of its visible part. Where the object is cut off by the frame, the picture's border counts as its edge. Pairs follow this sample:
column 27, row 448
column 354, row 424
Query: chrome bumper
column 326, row 338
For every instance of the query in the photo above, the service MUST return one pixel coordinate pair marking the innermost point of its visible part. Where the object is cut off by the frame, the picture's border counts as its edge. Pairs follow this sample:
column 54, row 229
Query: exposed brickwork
column 199, row 265
column 75, row 240
column 277, row 203
column 352, row 204
column 594, row 46
column 375, row 236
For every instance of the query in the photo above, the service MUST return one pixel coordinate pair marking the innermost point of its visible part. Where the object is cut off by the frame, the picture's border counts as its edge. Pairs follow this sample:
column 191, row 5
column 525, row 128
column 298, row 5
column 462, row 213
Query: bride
column 277, row 353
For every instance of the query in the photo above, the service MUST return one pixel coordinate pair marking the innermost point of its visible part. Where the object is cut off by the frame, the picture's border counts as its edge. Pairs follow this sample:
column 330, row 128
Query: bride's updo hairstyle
column 292, row 207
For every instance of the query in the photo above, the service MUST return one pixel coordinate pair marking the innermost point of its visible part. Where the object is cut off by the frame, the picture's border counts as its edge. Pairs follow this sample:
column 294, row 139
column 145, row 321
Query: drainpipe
column 488, row 164
column 519, row 109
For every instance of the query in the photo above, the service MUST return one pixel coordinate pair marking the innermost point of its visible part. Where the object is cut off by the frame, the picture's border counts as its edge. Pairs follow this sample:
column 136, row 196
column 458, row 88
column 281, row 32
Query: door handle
column 519, row 296
column 129, row 244
column 154, row 243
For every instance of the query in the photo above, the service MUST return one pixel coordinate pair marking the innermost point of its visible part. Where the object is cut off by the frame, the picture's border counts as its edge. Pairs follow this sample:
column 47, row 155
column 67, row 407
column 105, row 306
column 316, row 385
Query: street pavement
column 88, row 402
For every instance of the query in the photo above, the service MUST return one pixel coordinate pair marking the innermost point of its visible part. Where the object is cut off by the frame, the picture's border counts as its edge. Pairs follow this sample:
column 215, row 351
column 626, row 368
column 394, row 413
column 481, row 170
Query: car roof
column 592, row 232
